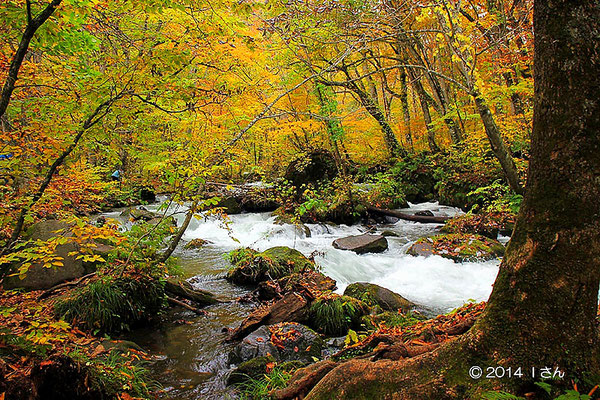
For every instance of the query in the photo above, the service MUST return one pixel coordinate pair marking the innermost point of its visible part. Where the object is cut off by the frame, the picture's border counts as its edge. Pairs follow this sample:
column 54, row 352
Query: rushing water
column 193, row 358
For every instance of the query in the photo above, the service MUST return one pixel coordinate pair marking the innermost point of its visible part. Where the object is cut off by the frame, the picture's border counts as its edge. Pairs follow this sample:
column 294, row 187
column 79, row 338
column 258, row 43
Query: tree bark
column 499, row 148
column 33, row 25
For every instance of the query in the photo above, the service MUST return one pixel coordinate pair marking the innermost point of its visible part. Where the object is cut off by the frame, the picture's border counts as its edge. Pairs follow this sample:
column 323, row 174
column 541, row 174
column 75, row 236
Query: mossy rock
column 487, row 224
column 251, row 267
column 375, row 295
column 458, row 247
column 196, row 244
column 139, row 213
column 333, row 314
column 251, row 369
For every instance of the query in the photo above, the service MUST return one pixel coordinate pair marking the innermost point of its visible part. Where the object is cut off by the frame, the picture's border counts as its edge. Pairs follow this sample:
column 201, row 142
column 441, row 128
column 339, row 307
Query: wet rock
column 310, row 282
column 139, row 214
column 251, row 369
column 196, row 244
column 230, row 205
column 170, row 220
column 362, row 243
column 375, row 295
column 284, row 342
column 458, row 247
column 424, row 213
column 292, row 307
column 389, row 234
column 251, row 267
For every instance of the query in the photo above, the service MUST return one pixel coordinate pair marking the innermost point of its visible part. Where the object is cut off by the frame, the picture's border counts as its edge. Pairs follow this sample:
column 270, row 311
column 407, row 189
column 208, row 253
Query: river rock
column 38, row 277
column 196, row 244
column 292, row 307
column 139, row 214
column 375, row 295
column 458, row 247
column 230, row 205
column 284, row 342
column 425, row 213
column 311, row 282
column 252, row 267
column 362, row 243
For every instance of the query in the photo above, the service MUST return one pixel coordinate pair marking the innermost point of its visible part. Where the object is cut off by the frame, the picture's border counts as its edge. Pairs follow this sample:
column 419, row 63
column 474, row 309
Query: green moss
column 250, row 267
column 458, row 247
column 334, row 314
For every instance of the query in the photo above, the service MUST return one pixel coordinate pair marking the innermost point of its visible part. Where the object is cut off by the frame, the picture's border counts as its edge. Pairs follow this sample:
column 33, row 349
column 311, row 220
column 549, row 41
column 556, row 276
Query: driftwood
column 179, row 303
column 409, row 217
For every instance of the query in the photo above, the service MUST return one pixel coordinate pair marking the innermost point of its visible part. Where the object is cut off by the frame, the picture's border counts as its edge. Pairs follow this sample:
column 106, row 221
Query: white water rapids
column 436, row 283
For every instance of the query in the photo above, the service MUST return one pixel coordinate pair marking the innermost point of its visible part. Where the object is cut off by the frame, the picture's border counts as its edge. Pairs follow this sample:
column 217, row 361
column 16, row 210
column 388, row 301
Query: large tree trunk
column 542, row 311
column 548, row 281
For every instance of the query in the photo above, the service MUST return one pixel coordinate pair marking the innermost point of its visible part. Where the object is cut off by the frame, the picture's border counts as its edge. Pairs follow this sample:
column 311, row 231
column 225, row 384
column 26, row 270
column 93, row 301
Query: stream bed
column 191, row 356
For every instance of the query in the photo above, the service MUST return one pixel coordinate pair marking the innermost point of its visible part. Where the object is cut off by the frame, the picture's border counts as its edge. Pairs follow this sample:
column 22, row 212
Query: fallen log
column 184, row 290
column 176, row 302
column 409, row 217
column 63, row 285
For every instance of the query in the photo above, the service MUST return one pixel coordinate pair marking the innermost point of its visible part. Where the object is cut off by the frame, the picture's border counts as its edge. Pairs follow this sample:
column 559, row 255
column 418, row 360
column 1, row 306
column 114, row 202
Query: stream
column 191, row 356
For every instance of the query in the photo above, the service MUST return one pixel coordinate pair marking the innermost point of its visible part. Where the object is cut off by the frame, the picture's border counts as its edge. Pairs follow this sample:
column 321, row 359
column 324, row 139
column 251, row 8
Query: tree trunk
column 405, row 107
column 498, row 146
column 548, row 281
column 416, row 82
column 542, row 311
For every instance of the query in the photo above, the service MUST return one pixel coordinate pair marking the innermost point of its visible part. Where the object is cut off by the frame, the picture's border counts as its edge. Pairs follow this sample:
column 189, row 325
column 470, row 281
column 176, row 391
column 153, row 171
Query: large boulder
column 39, row 277
column 458, row 247
column 375, row 295
column 311, row 168
column 362, row 243
column 229, row 204
column 251, row 267
column 284, row 342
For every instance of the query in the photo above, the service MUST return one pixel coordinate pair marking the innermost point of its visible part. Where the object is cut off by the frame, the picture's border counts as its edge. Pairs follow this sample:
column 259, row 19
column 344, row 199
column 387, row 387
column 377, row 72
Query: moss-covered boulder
column 458, row 247
column 251, row 267
column 487, row 224
column 251, row 369
column 285, row 341
column 230, row 205
column 375, row 295
column 196, row 244
column 333, row 314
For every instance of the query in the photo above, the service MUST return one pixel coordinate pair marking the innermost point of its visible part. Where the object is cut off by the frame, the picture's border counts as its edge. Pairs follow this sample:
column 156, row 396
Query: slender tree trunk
column 33, row 25
column 422, row 94
column 405, row 107
column 499, row 148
